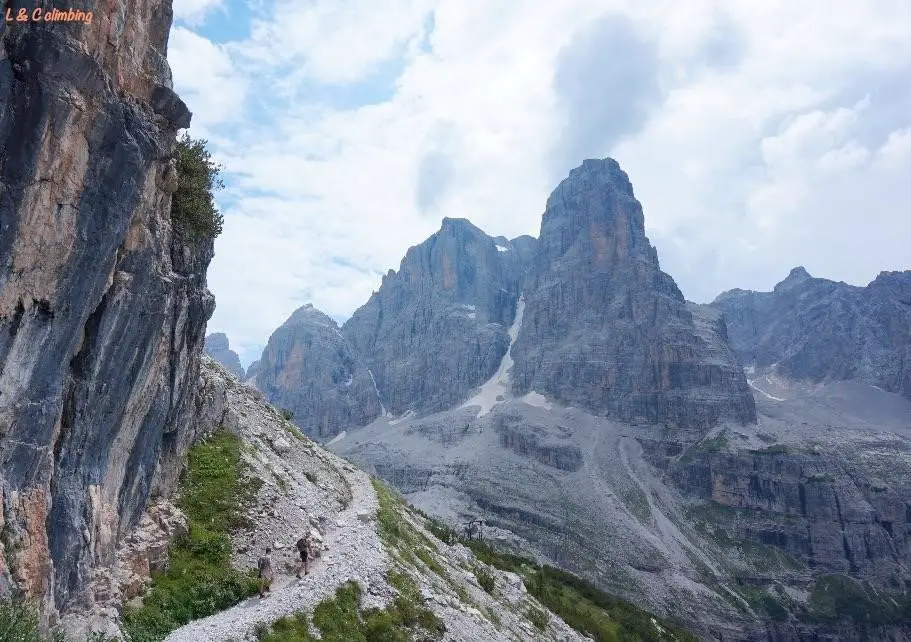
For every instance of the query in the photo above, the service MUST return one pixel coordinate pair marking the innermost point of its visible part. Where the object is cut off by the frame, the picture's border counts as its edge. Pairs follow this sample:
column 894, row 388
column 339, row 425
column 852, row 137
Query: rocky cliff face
column 309, row 368
column 103, row 305
column 218, row 348
column 437, row 328
column 819, row 330
column 606, row 329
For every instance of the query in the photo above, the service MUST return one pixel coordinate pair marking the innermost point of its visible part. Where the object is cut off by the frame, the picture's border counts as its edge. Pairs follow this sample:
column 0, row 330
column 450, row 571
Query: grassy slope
column 584, row 607
column 200, row 580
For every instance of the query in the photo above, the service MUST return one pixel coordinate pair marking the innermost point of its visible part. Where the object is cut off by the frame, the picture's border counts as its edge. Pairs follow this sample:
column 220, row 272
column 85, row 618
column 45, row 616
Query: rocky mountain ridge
column 218, row 347
column 819, row 330
column 312, row 370
column 436, row 329
column 605, row 329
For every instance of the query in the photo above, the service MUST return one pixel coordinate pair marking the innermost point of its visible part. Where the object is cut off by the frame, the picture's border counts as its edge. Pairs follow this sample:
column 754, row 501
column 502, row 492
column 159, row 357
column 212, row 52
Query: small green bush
column 198, row 177
column 339, row 618
column 484, row 579
column 537, row 617
column 19, row 623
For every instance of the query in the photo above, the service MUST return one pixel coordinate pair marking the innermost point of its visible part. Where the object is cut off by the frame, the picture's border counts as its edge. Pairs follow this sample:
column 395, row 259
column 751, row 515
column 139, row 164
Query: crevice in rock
column 43, row 309
column 58, row 523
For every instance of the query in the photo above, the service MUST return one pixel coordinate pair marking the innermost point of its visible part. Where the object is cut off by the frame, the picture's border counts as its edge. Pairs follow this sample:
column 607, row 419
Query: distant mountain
column 218, row 348
column 819, row 330
column 437, row 329
column 606, row 329
column 309, row 368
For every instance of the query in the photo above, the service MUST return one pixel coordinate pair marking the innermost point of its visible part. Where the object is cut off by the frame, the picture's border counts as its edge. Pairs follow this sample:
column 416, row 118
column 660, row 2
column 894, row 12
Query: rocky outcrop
column 218, row 348
column 820, row 330
column 437, row 328
column 606, row 329
column 103, row 304
column 309, row 368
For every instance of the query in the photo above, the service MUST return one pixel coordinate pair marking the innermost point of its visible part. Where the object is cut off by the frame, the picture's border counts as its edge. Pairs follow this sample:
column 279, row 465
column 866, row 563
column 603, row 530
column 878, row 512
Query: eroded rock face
column 816, row 329
column 218, row 348
column 103, row 304
column 309, row 368
column 437, row 328
column 606, row 329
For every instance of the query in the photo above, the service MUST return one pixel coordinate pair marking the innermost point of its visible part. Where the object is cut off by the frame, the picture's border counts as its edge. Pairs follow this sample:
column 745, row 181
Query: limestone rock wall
column 309, row 368
column 606, row 329
column 819, row 330
column 103, row 305
column 437, row 328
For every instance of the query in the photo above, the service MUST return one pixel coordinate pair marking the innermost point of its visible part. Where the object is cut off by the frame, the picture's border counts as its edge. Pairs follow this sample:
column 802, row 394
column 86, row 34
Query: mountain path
column 355, row 553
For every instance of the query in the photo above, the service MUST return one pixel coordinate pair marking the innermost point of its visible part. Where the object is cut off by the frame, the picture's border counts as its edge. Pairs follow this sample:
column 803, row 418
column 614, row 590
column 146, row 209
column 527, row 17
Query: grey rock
column 101, row 337
column 437, row 328
column 169, row 105
column 218, row 348
column 311, row 369
column 606, row 329
column 819, row 330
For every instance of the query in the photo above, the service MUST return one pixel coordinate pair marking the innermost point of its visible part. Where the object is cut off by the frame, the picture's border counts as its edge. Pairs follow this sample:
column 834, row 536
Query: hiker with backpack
column 266, row 574
column 305, row 548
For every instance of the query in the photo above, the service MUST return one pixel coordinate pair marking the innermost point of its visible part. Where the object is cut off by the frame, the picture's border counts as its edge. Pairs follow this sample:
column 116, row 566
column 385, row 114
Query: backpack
column 301, row 544
column 264, row 564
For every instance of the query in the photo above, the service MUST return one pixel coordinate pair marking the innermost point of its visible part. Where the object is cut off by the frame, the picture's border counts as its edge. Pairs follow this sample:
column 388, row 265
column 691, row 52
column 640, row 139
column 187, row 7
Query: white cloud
column 193, row 12
column 207, row 79
column 896, row 152
column 756, row 155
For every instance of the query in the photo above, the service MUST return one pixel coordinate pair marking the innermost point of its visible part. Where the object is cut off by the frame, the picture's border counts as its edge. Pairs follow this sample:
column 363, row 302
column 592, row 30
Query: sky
column 758, row 135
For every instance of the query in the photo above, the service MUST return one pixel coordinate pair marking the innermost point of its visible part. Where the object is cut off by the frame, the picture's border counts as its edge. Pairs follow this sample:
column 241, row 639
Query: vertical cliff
column 103, row 304
column 437, row 328
column 605, row 329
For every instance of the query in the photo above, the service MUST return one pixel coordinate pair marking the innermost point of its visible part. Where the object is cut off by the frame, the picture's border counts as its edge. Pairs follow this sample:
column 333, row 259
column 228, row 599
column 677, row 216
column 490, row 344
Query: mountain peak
column 218, row 347
column 594, row 173
column 309, row 314
column 795, row 277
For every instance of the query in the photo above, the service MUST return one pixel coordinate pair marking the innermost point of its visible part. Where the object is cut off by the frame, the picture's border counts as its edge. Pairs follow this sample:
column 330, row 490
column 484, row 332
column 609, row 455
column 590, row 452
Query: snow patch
column 496, row 389
column 755, row 387
column 377, row 391
column 405, row 417
column 536, row 399
column 337, row 438
column 500, row 248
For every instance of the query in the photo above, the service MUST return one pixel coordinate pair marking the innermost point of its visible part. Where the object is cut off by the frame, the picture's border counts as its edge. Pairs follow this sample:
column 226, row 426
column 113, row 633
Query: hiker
column 266, row 574
column 305, row 548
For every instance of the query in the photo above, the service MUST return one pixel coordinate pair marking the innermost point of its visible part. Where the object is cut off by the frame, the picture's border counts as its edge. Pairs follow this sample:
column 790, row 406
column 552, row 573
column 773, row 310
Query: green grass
column 537, row 617
column 764, row 602
column 584, row 607
column 200, row 580
column 581, row 605
column 837, row 597
column 340, row 618
column 712, row 446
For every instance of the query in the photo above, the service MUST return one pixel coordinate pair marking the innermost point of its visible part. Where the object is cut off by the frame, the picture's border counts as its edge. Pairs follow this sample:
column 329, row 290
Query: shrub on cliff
column 19, row 622
column 198, row 178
